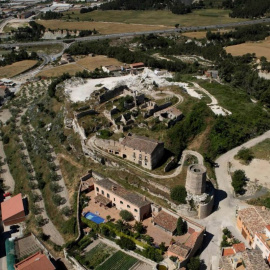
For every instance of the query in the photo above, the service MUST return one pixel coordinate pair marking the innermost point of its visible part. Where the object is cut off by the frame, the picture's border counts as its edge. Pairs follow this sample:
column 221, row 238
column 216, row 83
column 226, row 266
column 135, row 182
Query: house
column 111, row 68
column 36, row 261
column 110, row 193
column 211, row 74
column 181, row 251
column 7, row 82
column 252, row 220
column 246, row 260
column 87, row 185
column 137, row 65
column 236, row 248
column 262, row 242
column 166, row 222
column 66, row 58
column 13, row 210
column 25, row 15
column 142, row 150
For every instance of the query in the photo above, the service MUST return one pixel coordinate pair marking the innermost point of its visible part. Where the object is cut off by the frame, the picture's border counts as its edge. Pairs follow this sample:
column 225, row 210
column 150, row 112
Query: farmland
column 89, row 63
column 260, row 48
column 101, row 27
column 119, row 260
column 157, row 17
column 16, row 68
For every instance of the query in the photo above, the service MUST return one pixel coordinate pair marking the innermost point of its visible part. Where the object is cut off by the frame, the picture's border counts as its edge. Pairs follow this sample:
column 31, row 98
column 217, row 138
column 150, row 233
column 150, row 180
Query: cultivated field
column 89, row 63
column 101, row 27
column 158, row 17
column 119, row 260
column 260, row 48
column 198, row 35
column 16, row 68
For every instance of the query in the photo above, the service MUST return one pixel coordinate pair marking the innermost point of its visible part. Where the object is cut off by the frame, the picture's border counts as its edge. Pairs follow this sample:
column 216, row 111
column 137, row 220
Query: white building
column 262, row 242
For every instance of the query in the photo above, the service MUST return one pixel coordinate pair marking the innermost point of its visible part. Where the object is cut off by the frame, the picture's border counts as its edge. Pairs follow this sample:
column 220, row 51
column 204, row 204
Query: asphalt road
column 110, row 36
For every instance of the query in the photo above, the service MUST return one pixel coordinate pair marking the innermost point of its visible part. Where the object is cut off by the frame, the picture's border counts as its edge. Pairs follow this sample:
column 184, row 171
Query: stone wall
column 111, row 94
column 84, row 113
column 204, row 210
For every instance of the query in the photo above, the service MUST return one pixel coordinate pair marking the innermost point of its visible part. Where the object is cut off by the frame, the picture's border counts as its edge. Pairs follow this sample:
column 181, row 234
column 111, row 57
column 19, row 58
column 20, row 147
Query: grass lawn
column 16, row 68
column 101, row 27
column 88, row 62
column 158, row 17
column 119, row 260
column 262, row 150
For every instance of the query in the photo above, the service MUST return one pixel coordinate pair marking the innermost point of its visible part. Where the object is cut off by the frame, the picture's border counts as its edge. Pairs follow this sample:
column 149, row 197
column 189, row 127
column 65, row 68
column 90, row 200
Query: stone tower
column 196, row 179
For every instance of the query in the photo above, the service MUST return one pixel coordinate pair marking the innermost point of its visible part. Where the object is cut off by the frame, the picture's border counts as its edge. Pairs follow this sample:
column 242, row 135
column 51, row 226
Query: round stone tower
column 196, row 179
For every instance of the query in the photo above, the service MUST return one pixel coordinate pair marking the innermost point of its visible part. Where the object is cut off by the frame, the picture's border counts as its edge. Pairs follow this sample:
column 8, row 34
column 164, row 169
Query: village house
column 213, row 74
column 66, row 58
column 262, row 242
column 252, row 220
column 246, row 260
column 227, row 251
column 36, row 261
column 13, row 210
column 109, row 193
column 137, row 65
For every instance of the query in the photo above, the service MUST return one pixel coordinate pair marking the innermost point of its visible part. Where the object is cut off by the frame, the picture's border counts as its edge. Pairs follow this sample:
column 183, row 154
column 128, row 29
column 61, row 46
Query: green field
column 262, row 150
column 157, row 17
column 119, row 260
column 98, row 255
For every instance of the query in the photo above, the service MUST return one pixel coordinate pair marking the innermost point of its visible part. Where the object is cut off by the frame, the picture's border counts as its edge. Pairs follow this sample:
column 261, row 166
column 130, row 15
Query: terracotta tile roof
column 267, row 227
column 140, row 143
column 166, row 221
column 37, row 261
column 179, row 249
column 12, row 207
column 140, row 64
column 228, row 251
column 255, row 218
column 192, row 239
column 239, row 247
column 87, row 183
column 129, row 196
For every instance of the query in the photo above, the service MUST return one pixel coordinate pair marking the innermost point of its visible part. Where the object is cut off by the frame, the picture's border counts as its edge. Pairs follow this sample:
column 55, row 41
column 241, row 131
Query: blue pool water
column 94, row 218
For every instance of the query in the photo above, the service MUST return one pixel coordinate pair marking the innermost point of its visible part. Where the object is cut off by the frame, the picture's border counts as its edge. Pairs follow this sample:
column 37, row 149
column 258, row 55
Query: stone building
column 137, row 149
column 200, row 192
column 122, row 199
column 262, row 242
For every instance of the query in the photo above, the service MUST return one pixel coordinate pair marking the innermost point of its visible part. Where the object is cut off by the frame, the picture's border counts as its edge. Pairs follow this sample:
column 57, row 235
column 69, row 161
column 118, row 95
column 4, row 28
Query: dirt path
column 6, row 175
column 70, row 160
column 92, row 145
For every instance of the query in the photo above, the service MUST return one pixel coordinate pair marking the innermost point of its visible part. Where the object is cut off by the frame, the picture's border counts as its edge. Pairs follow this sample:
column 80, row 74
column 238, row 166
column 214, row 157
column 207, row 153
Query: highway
column 111, row 36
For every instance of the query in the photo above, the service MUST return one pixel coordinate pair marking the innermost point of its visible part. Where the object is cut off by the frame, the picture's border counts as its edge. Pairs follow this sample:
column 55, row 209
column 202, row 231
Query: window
column 121, row 202
column 140, row 156
column 128, row 206
column 108, row 195
column 97, row 189
column 102, row 192
column 135, row 210
column 114, row 199
column 134, row 155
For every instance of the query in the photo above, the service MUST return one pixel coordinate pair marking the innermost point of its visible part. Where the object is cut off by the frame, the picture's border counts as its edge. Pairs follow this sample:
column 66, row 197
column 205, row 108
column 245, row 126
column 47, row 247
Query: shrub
column 126, row 243
column 66, row 211
column 126, row 215
column 6, row 139
column 238, row 181
column 179, row 194
column 69, row 226
column 246, row 155
column 58, row 200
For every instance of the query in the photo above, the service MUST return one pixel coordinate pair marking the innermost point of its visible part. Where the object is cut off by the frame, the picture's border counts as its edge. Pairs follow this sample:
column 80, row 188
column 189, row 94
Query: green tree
column 194, row 263
column 179, row 194
column 126, row 243
column 126, row 215
column 6, row 139
column 238, row 181
column 138, row 227
column 181, row 226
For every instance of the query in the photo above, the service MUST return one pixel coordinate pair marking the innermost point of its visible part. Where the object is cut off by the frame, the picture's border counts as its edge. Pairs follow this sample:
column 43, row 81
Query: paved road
column 173, row 30
column 226, row 215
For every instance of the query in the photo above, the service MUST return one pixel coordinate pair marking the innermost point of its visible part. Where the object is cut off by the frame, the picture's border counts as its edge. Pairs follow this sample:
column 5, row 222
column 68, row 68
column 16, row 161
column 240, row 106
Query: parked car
column 7, row 194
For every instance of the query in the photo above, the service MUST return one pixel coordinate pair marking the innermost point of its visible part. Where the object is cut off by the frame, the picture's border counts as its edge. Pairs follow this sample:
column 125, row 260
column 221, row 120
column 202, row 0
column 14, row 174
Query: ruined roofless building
column 196, row 179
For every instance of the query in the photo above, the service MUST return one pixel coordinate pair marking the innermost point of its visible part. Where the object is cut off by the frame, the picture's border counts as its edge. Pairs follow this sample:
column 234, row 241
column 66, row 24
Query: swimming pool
column 94, row 218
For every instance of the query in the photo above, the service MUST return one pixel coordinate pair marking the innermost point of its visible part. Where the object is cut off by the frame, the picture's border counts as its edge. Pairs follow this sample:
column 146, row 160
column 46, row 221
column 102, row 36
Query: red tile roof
column 267, row 227
column 12, row 207
column 228, row 252
column 192, row 239
column 37, row 261
column 140, row 64
column 239, row 247
column 166, row 221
